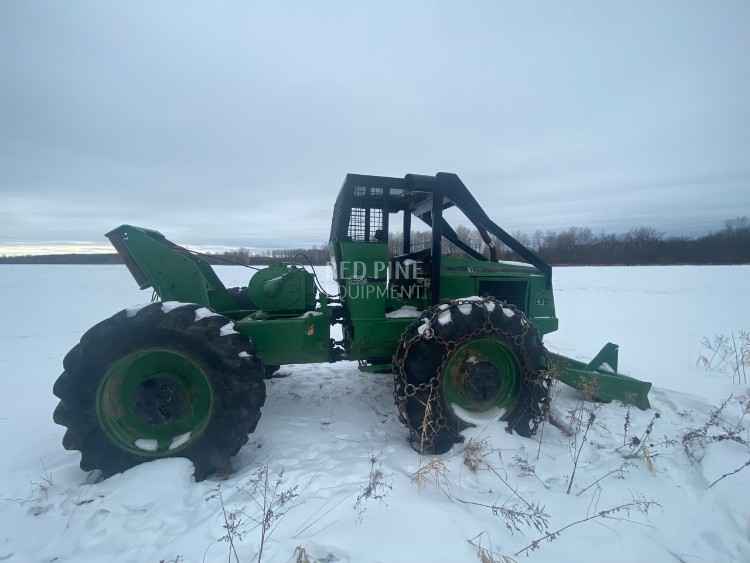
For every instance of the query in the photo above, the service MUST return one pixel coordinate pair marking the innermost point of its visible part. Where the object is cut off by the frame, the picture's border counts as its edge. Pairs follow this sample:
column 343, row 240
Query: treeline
column 642, row 246
column 574, row 246
column 317, row 256
column 62, row 259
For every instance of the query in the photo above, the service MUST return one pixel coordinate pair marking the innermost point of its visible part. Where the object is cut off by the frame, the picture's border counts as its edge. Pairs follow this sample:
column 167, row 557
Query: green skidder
column 462, row 335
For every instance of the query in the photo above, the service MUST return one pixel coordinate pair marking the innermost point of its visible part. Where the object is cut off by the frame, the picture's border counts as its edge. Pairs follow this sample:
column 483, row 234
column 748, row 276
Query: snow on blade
column 180, row 440
column 146, row 444
column 204, row 313
column 228, row 329
column 168, row 306
column 508, row 312
column 405, row 312
column 244, row 354
column 489, row 305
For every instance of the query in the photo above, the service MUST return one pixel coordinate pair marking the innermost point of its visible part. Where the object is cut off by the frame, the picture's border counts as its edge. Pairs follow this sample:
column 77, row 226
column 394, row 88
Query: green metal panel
column 362, row 275
column 365, row 299
column 292, row 340
column 545, row 325
column 462, row 276
column 376, row 338
column 373, row 257
column 175, row 274
column 457, row 286
column 463, row 265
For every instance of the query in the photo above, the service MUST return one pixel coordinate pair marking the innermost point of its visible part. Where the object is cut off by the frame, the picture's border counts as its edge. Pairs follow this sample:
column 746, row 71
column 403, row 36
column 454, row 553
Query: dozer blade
column 599, row 380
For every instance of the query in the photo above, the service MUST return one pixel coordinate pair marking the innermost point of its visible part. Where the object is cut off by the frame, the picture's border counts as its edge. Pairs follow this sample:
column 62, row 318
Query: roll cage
column 364, row 204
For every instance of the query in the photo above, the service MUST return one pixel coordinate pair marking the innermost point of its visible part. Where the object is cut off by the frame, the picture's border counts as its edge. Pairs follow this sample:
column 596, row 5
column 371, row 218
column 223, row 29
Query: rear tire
column 138, row 378
column 428, row 350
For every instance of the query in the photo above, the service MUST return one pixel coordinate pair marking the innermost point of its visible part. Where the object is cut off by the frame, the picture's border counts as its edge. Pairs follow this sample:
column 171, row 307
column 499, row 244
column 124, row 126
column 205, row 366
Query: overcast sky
column 234, row 123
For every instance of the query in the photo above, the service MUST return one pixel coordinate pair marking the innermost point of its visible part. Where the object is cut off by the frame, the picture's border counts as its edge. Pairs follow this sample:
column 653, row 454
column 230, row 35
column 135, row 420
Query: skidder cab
column 462, row 335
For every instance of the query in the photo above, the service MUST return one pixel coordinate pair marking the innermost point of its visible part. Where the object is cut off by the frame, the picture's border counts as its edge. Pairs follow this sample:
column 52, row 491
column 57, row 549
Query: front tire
column 469, row 355
column 167, row 380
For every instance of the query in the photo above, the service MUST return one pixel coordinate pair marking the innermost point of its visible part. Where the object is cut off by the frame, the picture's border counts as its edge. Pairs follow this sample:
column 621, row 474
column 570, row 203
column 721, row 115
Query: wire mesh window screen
column 364, row 222
column 359, row 230
column 376, row 224
column 357, row 224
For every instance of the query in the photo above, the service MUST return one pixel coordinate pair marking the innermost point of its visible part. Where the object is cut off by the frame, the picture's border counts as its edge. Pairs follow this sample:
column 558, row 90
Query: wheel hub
column 482, row 381
column 480, row 374
column 161, row 399
column 154, row 402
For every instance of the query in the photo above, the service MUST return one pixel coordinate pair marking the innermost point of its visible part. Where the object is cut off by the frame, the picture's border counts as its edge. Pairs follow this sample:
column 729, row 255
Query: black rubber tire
column 420, row 355
column 234, row 373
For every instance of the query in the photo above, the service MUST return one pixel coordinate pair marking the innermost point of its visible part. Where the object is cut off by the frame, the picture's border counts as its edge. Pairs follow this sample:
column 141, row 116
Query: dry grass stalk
column 376, row 487
column 488, row 554
column 514, row 516
column 474, row 453
column 641, row 505
column 433, row 471
column 626, row 427
column 638, row 445
column 619, row 473
column 272, row 501
column 426, row 422
column 730, row 473
column 300, row 555
column 695, row 441
column 727, row 354
column 589, row 423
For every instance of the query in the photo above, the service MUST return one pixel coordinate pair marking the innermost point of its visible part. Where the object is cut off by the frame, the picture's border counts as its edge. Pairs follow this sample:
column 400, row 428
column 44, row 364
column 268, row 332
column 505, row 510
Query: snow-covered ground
column 332, row 431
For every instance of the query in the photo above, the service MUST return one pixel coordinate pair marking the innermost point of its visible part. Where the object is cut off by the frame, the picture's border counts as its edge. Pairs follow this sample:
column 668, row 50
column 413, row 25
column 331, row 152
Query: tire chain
column 436, row 418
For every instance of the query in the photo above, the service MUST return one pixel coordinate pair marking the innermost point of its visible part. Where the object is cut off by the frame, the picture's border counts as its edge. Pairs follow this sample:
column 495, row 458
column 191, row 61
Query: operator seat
column 410, row 273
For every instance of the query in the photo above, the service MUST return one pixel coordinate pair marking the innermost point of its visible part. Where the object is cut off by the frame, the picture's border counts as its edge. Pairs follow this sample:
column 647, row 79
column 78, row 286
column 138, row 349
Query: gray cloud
column 234, row 124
